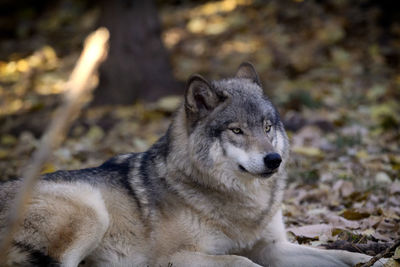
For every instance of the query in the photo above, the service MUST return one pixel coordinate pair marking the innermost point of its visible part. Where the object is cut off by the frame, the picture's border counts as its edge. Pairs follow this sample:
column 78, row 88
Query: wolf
column 207, row 193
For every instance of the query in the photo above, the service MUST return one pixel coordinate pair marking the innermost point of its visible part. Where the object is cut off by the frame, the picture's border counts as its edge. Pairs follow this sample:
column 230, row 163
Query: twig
column 79, row 87
column 382, row 254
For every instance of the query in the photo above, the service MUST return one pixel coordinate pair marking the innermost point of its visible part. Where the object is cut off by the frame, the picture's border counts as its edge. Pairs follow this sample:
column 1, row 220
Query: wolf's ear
column 246, row 70
column 200, row 98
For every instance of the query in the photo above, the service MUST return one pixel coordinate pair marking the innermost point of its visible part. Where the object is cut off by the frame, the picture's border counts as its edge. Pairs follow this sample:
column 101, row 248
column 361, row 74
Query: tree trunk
column 137, row 66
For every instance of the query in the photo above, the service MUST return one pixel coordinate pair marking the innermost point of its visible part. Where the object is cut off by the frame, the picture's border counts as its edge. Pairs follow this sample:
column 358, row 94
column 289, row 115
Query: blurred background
column 331, row 67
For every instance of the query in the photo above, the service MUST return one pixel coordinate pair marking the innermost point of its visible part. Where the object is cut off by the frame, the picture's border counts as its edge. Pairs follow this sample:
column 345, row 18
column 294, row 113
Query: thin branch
column 382, row 254
column 79, row 86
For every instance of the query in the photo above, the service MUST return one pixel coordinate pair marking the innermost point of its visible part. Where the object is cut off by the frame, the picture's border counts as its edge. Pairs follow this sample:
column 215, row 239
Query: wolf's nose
column 272, row 160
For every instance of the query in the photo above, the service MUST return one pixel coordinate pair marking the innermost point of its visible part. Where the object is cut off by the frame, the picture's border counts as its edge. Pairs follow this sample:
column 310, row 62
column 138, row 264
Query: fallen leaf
column 395, row 187
column 345, row 188
column 47, row 168
column 396, row 255
column 4, row 153
column 8, row 140
column 353, row 214
column 382, row 178
column 338, row 221
column 311, row 231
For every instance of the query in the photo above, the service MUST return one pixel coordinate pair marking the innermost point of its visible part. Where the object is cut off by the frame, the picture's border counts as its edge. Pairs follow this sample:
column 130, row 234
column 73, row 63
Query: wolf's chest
column 237, row 229
column 228, row 238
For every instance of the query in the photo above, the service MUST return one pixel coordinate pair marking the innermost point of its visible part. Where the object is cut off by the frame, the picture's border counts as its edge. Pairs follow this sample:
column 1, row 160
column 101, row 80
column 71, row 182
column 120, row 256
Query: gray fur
column 200, row 196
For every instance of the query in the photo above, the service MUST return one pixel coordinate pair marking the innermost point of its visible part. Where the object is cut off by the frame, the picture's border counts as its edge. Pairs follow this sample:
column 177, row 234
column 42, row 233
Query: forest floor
column 332, row 70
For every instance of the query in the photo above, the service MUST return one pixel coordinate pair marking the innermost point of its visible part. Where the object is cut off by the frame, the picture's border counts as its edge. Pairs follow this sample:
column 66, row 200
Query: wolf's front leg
column 198, row 259
column 275, row 250
column 286, row 254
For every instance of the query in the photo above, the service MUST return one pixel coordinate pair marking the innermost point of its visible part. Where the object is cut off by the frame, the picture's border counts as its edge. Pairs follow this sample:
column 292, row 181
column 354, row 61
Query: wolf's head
column 232, row 127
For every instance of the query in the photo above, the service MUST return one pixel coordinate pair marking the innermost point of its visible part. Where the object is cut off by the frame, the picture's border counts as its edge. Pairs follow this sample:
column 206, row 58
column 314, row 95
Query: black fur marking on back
column 36, row 257
column 111, row 165
column 162, row 145
column 122, row 169
column 144, row 171
column 147, row 174
column 86, row 175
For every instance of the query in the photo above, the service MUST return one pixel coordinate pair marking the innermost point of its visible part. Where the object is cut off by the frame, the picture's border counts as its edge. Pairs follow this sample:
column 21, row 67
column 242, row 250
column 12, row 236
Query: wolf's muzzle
column 272, row 161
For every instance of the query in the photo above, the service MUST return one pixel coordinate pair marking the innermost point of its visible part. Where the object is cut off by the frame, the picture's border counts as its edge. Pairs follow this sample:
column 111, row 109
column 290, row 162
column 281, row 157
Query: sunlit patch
column 22, row 65
column 15, row 105
column 211, row 26
column 240, row 46
column 50, row 84
column 8, row 72
column 45, row 58
column 209, row 18
column 197, row 25
column 219, row 7
column 37, row 73
column 172, row 37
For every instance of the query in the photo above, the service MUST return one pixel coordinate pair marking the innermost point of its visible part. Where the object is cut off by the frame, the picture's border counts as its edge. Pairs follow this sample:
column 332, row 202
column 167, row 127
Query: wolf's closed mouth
column 242, row 168
column 264, row 174
column 267, row 174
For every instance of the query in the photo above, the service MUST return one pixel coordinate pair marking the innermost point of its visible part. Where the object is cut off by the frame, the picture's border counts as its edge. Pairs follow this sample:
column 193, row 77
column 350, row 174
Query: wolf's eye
column 267, row 128
column 237, row 130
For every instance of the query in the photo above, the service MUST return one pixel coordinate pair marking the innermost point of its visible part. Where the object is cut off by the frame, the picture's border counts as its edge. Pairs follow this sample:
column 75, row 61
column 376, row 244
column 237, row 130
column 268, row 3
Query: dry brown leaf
column 354, row 215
